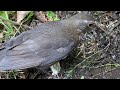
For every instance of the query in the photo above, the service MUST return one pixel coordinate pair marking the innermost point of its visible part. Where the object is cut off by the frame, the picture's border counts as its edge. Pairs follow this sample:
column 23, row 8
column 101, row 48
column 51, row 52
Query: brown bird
column 45, row 44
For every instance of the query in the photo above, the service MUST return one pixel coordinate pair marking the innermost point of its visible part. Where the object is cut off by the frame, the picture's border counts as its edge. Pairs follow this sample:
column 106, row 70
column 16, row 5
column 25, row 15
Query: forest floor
column 96, row 57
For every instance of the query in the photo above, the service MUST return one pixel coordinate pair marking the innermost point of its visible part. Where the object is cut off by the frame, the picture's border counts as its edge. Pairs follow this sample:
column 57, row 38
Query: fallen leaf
column 55, row 68
column 1, row 35
column 41, row 16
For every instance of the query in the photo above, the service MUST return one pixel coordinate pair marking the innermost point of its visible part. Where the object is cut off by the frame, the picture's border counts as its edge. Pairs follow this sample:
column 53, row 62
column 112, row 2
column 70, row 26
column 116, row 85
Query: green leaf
column 55, row 19
column 52, row 15
column 4, row 14
column 8, row 25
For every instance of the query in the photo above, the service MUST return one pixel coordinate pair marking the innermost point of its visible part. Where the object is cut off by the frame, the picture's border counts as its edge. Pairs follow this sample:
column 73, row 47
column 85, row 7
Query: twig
column 90, row 57
column 100, row 28
column 112, row 29
column 15, row 23
column 105, row 72
column 34, row 76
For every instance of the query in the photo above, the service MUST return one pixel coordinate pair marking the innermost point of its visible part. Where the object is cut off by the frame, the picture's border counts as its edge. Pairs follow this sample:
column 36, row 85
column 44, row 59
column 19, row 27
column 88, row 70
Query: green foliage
column 52, row 15
column 14, row 74
column 8, row 26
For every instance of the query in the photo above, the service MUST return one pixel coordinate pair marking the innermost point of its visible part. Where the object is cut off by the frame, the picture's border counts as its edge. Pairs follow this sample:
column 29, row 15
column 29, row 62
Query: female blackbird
column 45, row 44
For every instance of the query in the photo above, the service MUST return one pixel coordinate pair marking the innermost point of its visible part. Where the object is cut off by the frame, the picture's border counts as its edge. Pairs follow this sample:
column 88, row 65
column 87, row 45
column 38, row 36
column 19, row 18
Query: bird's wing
column 32, row 53
column 17, row 40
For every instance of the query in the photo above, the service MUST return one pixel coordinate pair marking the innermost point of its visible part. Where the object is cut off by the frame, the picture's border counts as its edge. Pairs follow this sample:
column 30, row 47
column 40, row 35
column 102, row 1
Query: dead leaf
column 21, row 15
column 56, row 69
column 41, row 16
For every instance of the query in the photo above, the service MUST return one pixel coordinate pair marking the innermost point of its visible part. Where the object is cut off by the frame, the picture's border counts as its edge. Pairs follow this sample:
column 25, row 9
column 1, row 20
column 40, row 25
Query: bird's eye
column 90, row 25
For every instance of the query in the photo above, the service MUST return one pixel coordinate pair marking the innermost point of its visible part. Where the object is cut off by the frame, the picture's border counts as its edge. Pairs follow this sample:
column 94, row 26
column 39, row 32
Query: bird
column 45, row 44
